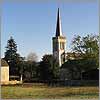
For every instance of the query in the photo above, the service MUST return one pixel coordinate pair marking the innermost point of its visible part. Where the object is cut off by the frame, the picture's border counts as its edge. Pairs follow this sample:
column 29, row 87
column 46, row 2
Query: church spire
column 58, row 26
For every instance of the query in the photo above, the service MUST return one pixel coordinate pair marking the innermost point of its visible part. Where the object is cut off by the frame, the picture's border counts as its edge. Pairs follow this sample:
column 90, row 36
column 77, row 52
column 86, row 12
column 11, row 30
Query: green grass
column 43, row 91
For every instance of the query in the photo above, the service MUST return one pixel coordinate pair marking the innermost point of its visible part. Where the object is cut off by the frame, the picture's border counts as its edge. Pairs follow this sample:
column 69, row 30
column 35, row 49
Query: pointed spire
column 58, row 26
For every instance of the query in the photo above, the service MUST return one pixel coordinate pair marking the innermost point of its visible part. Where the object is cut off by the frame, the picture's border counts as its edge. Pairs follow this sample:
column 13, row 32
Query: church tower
column 59, row 42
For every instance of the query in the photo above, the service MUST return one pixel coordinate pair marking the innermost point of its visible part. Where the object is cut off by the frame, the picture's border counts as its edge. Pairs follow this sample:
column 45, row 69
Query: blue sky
column 33, row 24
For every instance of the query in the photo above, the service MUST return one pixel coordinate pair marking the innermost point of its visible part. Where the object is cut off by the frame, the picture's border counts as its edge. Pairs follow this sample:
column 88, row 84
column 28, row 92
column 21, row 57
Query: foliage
column 11, row 50
column 91, row 75
column 87, row 47
column 73, row 69
column 30, row 67
column 48, row 68
column 32, row 57
column 12, row 57
column 29, row 70
column 77, row 67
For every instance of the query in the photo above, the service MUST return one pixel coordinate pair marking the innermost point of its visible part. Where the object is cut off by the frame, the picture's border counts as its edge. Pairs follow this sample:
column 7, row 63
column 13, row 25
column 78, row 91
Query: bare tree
column 32, row 57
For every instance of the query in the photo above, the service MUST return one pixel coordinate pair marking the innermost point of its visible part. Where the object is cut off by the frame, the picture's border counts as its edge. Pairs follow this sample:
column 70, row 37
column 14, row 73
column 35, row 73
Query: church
column 59, row 42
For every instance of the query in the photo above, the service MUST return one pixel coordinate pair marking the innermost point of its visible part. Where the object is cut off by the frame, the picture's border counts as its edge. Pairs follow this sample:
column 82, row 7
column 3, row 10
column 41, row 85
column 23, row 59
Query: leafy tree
column 12, row 57
column 48, row 68
column 30, row 70
column 32, row 57
column 72, row 70
column 30, row 67
column 87, row 47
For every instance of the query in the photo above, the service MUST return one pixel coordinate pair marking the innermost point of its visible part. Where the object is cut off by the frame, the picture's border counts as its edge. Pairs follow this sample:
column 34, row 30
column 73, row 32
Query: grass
column 43, row 91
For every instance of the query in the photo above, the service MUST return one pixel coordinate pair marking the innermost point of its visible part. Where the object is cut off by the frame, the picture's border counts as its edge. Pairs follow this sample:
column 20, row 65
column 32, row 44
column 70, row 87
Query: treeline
column 28, row 67
column 47, row 69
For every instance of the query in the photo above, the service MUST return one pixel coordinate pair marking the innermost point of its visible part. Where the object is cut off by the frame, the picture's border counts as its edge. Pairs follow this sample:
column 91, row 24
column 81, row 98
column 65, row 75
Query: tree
column 11, row 50
column 32, row 57
column 12, row 57
column 48, row 68
column 71, row 70
column 30, row 70
column 87, row 47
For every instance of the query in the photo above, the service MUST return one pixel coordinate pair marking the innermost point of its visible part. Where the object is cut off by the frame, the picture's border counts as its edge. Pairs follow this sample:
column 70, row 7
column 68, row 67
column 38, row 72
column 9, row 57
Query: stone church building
column 59, row 42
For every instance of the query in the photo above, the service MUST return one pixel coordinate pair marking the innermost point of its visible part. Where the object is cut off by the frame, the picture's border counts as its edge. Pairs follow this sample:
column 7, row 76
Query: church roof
column 58, row 26
column 4, row 63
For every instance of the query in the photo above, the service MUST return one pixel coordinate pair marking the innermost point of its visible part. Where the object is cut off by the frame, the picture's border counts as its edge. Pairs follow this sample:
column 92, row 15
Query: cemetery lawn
column 33, row 91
